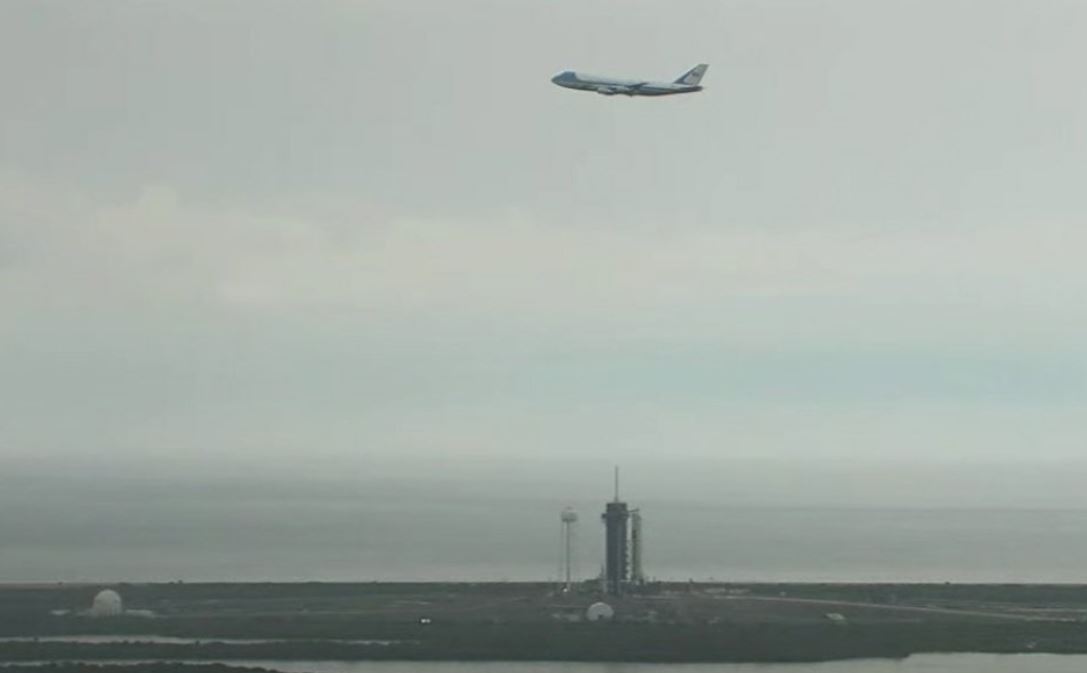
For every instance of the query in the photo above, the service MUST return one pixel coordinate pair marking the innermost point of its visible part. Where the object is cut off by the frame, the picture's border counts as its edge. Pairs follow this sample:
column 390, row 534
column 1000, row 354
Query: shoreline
column 473, row 622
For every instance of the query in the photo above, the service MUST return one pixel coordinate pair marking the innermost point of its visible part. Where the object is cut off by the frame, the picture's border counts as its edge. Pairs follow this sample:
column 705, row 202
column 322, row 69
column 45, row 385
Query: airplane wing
column 628, row 89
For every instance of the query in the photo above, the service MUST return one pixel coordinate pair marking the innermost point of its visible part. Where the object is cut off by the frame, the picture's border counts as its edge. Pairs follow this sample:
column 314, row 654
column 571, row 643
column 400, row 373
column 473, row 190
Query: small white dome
column 599, row 612
column 107, row 604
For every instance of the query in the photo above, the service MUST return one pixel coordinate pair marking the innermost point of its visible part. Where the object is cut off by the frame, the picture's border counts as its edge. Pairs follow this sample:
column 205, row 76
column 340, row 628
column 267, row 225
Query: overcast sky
column 372, row 237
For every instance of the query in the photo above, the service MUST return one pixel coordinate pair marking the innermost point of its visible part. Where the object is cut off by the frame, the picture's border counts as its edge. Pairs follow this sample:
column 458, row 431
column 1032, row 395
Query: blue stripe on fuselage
column 571, row 80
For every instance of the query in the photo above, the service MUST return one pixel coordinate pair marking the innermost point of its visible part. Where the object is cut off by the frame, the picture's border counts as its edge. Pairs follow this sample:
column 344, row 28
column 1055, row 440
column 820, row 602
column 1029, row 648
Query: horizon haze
column 368, row 246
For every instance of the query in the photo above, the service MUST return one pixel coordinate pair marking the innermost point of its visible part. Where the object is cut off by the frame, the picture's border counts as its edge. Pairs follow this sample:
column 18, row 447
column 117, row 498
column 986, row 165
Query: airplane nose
column 555, row 79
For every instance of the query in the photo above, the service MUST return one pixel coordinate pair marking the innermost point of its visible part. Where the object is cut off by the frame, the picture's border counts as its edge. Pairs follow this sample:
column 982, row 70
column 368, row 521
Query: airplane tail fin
column 693, row 76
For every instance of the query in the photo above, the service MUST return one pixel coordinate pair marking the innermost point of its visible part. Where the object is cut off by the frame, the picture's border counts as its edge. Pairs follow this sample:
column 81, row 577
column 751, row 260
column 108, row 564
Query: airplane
column 689, row 82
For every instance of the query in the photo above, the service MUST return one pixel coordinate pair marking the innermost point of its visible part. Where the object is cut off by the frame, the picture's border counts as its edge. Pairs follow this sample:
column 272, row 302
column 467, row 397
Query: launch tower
column 616, row 539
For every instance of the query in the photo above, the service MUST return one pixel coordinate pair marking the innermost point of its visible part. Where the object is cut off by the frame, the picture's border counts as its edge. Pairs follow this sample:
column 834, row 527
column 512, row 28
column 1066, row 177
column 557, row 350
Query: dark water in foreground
column 943, row 663
column 954, row 663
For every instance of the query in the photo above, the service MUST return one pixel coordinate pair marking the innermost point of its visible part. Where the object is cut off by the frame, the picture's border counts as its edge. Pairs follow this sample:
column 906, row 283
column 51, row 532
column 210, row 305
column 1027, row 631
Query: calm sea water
column 123, row 533
column 955, row 663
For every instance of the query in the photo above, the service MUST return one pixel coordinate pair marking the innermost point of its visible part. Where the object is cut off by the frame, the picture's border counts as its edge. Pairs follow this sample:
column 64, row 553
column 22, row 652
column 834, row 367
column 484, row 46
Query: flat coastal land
column 659, row 622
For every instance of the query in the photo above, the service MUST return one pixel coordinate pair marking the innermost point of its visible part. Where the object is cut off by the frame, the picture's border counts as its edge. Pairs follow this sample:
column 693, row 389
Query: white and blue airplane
column 689, row 82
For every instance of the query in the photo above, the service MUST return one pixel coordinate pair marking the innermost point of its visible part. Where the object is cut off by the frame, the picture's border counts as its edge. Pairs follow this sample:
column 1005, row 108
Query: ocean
column 133, row 531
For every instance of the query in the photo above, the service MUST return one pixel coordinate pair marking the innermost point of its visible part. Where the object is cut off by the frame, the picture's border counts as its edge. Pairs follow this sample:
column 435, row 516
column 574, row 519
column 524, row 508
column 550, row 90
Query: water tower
column 568, row 518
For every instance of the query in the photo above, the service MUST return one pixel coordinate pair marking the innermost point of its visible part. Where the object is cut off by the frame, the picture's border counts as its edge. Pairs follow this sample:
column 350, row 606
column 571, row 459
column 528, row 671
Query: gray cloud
column 248, row 231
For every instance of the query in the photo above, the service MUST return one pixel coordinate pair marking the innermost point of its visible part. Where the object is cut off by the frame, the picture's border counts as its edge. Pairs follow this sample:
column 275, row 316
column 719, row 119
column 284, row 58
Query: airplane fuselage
column 610, row 86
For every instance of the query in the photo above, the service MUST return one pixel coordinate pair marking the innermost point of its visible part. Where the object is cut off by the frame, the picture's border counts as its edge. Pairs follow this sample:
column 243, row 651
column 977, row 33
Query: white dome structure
column 599, row 612
column 107, row 604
